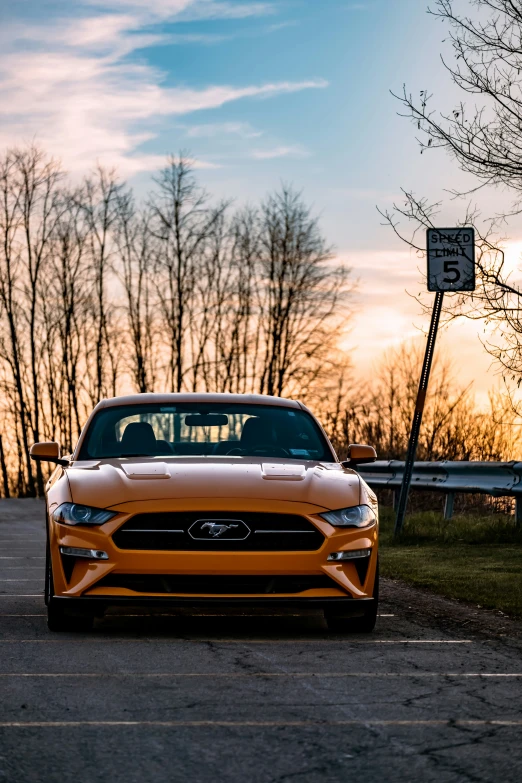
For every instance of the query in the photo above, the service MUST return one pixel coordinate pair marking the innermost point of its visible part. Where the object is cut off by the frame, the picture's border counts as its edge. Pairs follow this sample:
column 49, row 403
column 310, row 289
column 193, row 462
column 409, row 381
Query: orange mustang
column 208, row 499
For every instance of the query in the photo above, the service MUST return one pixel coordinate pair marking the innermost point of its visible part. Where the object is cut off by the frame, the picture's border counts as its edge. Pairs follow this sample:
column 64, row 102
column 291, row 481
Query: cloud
column 211, row 130
column 282, row 25
column 184, row 101
column 195, row 38
column 160, row 7
column 295, row 151
column 224, row 10
column 187, row 10
column 75, row 85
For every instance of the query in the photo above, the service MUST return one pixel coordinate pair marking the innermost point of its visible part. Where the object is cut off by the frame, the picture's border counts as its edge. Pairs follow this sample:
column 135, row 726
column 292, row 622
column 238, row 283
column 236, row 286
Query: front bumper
column 83, row 580
column 183, row 602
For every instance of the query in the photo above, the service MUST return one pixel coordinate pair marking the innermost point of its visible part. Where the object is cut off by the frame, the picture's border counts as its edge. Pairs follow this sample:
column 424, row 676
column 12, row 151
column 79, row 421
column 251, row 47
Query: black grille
column 170, row 531
column 215, row 585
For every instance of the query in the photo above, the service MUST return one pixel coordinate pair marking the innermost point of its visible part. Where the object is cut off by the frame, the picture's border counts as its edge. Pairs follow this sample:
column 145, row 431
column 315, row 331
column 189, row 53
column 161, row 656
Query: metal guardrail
column 499, row 479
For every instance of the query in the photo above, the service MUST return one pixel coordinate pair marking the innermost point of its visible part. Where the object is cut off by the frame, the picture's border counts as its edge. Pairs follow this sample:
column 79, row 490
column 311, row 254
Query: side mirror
column 48, row 451
column 359, row 454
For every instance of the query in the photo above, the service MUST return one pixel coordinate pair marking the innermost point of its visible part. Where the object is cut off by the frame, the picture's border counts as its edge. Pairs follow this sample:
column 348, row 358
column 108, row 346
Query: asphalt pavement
column 430, row 696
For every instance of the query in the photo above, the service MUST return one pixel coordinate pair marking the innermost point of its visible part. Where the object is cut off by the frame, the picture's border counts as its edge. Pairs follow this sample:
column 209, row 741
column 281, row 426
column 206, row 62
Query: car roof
column 242, row 399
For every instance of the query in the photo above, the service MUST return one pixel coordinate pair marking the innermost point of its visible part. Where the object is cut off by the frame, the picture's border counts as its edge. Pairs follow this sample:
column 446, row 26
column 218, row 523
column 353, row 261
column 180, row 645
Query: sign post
column 451, row 267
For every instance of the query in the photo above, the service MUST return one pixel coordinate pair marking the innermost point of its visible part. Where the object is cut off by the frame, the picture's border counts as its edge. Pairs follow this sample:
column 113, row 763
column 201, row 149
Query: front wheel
column 339, row 623
column 57, row 617
column 59, row 620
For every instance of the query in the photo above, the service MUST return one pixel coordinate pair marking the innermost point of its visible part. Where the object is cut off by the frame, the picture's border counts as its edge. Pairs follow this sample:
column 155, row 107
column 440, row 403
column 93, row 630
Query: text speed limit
column 451, row 259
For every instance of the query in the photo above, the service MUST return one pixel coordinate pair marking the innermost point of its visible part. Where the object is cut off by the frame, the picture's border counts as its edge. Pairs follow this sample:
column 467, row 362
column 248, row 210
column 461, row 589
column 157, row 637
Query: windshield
column 204, row 429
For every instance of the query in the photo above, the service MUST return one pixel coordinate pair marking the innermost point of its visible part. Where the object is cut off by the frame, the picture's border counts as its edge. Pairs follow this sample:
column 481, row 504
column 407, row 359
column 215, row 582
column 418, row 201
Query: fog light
column 92, row 554
column 354, row 554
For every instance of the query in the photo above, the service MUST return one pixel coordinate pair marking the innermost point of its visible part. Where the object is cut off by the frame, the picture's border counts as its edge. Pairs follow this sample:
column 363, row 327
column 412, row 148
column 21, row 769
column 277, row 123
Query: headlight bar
column 355, row 516
column 350, row 554
column 91, row 554
column 76, row 514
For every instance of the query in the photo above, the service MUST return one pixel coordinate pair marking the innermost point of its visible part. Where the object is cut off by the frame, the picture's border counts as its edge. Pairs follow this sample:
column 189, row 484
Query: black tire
column 57, row 618
column 48, row 574
column 339, row 623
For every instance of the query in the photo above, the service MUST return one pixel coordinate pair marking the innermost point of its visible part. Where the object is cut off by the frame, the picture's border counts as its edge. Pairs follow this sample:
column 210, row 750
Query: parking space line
column 173, row 616
column 449, row 722
column 249, row 675
column 94, row 640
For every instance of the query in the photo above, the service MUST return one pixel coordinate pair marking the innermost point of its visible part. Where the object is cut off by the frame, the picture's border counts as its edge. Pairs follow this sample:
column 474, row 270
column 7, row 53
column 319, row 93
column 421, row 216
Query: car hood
column 110, row 483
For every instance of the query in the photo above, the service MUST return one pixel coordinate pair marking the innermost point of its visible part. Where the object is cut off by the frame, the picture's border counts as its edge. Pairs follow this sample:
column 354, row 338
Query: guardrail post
column 448, row 505
column 518, row 511
column 396, row 498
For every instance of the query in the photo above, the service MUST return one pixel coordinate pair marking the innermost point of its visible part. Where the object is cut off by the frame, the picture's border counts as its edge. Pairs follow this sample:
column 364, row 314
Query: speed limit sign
column 451, row 267
column 451, row 259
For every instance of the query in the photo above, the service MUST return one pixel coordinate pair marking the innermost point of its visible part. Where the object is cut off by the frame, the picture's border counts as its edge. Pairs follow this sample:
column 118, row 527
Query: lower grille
column 215, row 585
column 189, row 531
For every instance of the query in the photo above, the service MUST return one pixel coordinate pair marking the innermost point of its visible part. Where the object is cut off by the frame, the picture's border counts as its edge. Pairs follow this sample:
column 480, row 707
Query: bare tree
column 182, row 222
column 99, row 203
column 212, row 301
column 136, row 251
column 241, row 350
column 5, row 475
column 65, row 307
column 302, row 296
column 227, row 326
column 11, row 345
column 38, row 180
column 30, row 209
column 485, row 140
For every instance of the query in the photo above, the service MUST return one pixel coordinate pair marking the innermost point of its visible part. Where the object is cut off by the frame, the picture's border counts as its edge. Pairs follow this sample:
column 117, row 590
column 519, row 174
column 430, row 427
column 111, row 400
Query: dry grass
column 472, row 558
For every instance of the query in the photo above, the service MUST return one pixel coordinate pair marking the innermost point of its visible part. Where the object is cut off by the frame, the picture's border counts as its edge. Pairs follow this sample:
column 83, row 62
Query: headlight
column 356, row 516
column 74, row 514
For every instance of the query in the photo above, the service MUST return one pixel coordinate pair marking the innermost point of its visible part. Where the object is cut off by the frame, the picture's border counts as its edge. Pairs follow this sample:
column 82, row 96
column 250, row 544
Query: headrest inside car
column 256, row 431
column 138, row 438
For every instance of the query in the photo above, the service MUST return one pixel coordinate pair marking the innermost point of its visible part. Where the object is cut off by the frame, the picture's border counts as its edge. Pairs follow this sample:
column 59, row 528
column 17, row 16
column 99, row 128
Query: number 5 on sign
column 451, row 259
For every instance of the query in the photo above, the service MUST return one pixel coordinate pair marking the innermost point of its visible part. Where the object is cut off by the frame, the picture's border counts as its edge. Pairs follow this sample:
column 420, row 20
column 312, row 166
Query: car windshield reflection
column 204, row 429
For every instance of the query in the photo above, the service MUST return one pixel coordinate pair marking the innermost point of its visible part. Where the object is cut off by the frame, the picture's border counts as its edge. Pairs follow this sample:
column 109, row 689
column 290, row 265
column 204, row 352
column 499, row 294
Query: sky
column 294, row 91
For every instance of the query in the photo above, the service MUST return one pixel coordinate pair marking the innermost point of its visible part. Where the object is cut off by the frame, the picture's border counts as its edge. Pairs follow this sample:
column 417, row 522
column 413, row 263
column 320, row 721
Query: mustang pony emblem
column 224, row 529
column 217, row 529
